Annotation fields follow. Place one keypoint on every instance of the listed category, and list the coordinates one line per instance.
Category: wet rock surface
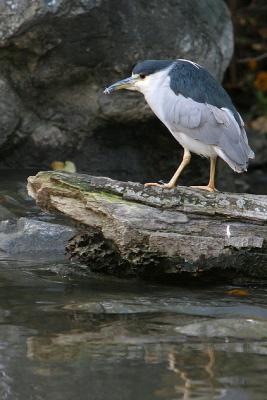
(57, 56)
(26, 232)
(29, 237)
(238, 328)
(5, 214)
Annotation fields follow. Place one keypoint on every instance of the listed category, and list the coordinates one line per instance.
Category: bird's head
(143, 74)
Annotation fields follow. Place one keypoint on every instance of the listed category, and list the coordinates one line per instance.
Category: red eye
(142, 76)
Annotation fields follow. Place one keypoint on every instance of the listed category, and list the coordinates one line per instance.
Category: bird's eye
(142, 76)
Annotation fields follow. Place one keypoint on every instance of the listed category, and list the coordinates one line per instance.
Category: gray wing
(210, 125)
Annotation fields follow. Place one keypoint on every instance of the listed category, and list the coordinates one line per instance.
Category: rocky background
(56, 56)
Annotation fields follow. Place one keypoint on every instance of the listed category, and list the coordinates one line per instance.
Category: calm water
(100, 338)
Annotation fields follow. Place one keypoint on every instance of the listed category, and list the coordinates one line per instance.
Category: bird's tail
(244, 150)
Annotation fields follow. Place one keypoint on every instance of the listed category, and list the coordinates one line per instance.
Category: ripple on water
(64, 336)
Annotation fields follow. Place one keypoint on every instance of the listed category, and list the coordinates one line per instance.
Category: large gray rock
(10, 111)
(58, 55)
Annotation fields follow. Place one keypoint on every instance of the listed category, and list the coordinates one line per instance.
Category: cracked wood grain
(132, 230)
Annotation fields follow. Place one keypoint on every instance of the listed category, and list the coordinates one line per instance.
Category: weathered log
(133, 230)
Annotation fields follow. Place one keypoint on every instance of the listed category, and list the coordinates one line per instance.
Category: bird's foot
(207, 188)
(162, 185)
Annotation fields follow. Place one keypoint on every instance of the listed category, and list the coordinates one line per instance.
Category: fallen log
(127, 229)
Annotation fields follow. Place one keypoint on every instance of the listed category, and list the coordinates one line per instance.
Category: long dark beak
(124, 84)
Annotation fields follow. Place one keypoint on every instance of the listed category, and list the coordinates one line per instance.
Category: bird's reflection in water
(186, 386)
(184, 382)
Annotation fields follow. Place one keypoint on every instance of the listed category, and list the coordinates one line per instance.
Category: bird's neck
(154, 87)
(155, 93)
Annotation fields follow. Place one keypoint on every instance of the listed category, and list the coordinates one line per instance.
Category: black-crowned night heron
(196, 110)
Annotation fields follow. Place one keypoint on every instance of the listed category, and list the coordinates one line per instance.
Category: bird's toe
(162, 185)
(151, 184)
(207, 188)
(168, 186)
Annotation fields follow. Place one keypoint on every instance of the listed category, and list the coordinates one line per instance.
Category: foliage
(246, 79)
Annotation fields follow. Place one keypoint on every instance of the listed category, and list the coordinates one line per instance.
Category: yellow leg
(171, 184)
(211, 185)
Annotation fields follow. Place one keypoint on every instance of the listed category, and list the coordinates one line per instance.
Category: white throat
(153, 88)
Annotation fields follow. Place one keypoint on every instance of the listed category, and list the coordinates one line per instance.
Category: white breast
(195, 146)
(158, 95)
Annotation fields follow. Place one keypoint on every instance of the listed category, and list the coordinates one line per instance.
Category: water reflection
(67, 335)
(103, 338)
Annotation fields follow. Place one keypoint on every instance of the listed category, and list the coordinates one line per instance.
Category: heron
(196, 109)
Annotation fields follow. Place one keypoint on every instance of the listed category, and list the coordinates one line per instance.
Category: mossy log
(127, 229)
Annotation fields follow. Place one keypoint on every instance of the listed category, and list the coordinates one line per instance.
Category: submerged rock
(30, 237)
(227, 327)
(5, 213)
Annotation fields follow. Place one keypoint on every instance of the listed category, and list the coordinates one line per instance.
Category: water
(101, 338)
